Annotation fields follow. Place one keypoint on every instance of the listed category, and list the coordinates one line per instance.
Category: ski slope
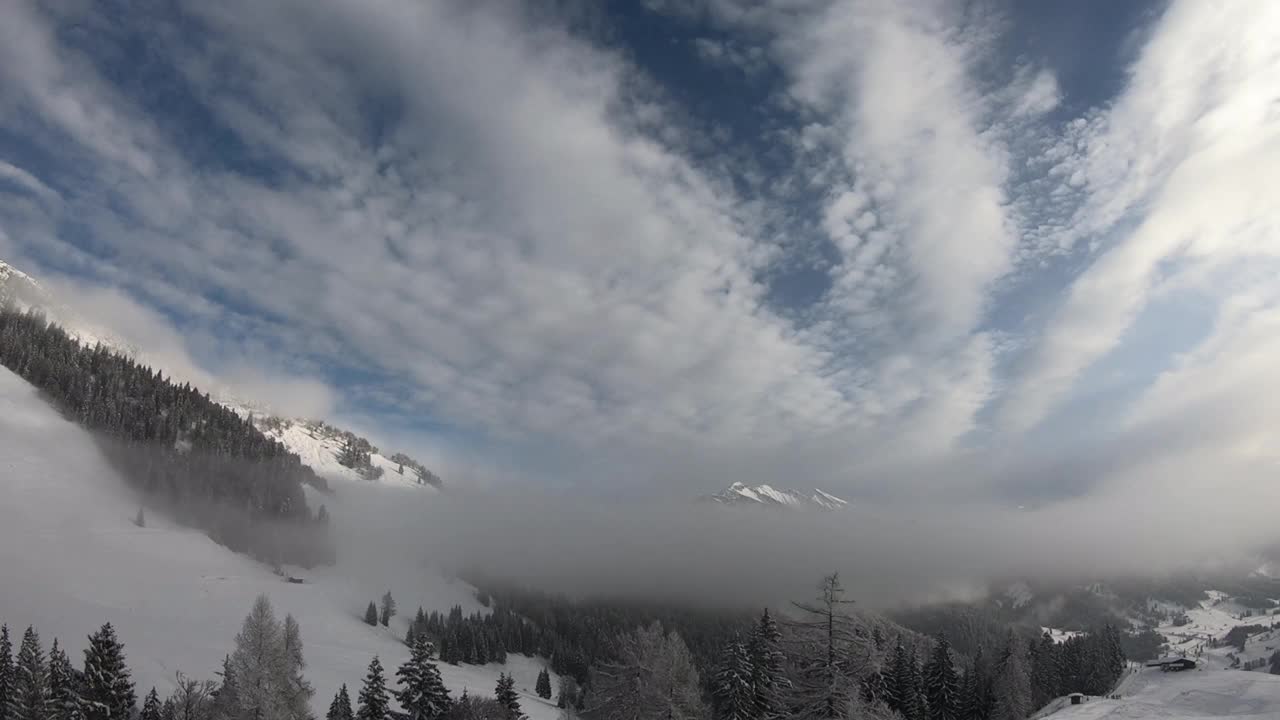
(1191, 695)
(1211, 621)
(71, 558)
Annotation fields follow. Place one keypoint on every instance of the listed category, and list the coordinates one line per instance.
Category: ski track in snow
(71, 559)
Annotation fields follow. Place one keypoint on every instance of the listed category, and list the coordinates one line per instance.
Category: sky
(903, 250)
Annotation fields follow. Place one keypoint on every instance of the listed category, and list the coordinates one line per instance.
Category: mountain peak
(768, 496)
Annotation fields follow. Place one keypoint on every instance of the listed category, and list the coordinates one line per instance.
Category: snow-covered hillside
(1191, 695)
(768, 496)
(1210, 622)
(25, 292)
(71, 558)
(319, 446)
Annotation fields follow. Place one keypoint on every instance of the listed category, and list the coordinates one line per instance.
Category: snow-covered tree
(107, 690)
(297, 691)
(1013, 682)
(825, 686)
(654, 678)
(371, 614)
(152, 707)
(731, 686)
(64, 686)
(543, 685)
(267, 666)
(388, 608)
(374, 704)
(768, 674)
(422, 693)
(941, 686)
(226, 701)
(508, 699)
(29, 690)
(6, 666)
(340, 708)
(904, 686)
(193, 699)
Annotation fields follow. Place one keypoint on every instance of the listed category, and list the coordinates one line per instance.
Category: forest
(187, 455)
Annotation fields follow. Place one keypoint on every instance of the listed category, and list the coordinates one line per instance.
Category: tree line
(206, 465)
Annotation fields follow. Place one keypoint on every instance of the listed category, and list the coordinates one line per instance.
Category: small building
(1076, 698)
(1179, 665)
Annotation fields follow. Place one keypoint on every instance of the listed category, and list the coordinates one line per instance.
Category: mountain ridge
(764, 495)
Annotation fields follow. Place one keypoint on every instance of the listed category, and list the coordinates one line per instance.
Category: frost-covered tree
(152, 707)
(1013, 682)
(64, 686)
(543, 685)
(371, 614)
(388, 608)
(267, 666)
(422, 693)
(731, 686)
(192, 699)
(941, 685)
(340, 708)
(768, 672)
(375, 704)
(29, 691)
(904, 687)
(508, 699)
(653, 678)
(6, 667)
(297, 691)
(107, 690)
(825, 685)
(567, 692)
(226, 701)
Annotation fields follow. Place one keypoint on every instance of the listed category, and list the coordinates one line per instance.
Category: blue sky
(897, 249)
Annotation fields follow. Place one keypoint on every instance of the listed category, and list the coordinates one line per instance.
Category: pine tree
(64, 691)
(1046, 678)
(29, 692)
(1013, 682)
(768, 675)
(6, 669)
(374, 702)
(941, 685)
(731, 686)
(543, 686)
(151, 707)
(505, 694)
(340, 708)
(108, 688)
(825, 687)
(169, 710)
(371, 615)
(422, 693)
(388, 608)
(904, 685)
(226, 702)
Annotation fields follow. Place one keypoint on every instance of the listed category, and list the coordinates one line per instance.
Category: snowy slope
(1227, 694)
(25, 292)
(769, 496)
(71, 559)
(1210, 622)
(319, 450)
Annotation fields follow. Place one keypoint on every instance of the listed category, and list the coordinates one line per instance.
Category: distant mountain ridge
(741, 494)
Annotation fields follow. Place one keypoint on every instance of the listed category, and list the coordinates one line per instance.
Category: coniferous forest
(199, 461)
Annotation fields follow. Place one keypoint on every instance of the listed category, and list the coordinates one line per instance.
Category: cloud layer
(517, 236)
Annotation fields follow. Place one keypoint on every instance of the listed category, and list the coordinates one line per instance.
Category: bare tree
(830, 653)
(192, 699)
(653, 679)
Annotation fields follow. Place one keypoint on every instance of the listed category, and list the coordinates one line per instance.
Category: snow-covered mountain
(72, 558)
(768, 496)
(317, 443)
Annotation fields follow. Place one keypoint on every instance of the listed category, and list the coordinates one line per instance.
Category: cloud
(484, 221)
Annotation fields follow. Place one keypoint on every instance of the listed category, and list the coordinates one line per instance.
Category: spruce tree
(904, 685)
(169, 710)
(422, 693)
(226, 702)
(1013, 682)
(371, 615)
(731, 685)
(151, 707)
(874, 688)
(108, 688)
(374, 701)
(1045, 675)
(6, 668)
(340, 708)
(64, 682)
(543, 686)
(768, 675)
(941, 685)
(388, 608)
(29, 691)
(824, 684)
(505, 694)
